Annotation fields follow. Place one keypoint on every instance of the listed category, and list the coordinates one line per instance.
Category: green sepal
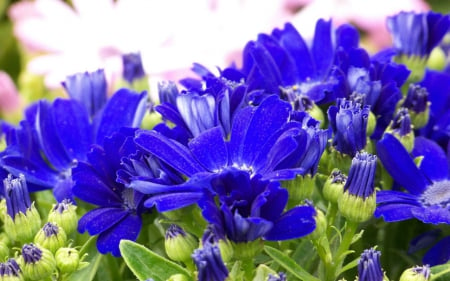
(146, 264)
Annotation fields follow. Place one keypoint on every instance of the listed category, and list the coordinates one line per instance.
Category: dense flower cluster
(240, 156)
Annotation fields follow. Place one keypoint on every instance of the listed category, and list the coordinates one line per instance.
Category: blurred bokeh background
(43, 41)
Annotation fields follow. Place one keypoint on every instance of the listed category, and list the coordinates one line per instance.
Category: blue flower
(54, 136)
(416, 34)
(369, 267)
(132, 67)
(282, 63)
(245, 209)
(209, 263)
(119, 211)
(261, 141)
(16, 195)
(349, 123)
(428, 193)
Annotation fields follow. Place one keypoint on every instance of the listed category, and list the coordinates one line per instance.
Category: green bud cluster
(37, 263)
(64, 214)
(51, 236)
(24, 225)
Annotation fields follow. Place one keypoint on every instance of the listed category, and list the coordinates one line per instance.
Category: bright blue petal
(439, 253)
(400, 165)
(297, 222)
(101, 219)
(173, 201)
(127, 229)
(322, 48)
(434, 164)
(210, 149)
(434, 214)
(171, 152)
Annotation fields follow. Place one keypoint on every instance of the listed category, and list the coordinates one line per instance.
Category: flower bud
(358, 201)
(334, 186)
(10, 271)
(402, 128)
(67, 259)
(416, 101)
(37, 263)
(22, 220)
(369, 267)
(64, 214)
(321, 225)
(179, 244)
(417, 273)
(51, 237)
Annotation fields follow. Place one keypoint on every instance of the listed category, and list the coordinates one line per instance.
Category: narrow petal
(127, 229)
(210, 149)
(322, 48)
(295, 223)
(393, 212)
(101, 219)
(434, 164)
(400, 165)
(171, 152)
(173, 201)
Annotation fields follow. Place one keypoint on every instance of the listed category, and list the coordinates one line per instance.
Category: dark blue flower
(401, 123)
(16, 195)
(209, 263)
(416, 34)
(349, 123)
(428, 186)
(261, 141)
(369, 267)
(282, 63)
(132, 67)
(246, 208)
(416, 98)
(118, 215)
(54, 136)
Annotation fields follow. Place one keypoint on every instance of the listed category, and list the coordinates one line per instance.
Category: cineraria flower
(416, 34)
(246, 208)
(428, 193)
(207, 103)
(261, 141)
(283, 61)
(54, 136)
(119, 211)
(209, 263)
(369, 267)
(349, 123)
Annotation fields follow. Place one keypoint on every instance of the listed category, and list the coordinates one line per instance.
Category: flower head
(209, 263)
(349, 123)
(118, 215)
(369, 267)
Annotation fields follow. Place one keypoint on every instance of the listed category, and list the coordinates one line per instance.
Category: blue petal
(171, 152)
(396, 211)
(124, 109)
(173, 201)
(50, 142)
(91, 188)
(255, 128)
(127, 229)
(439, 253)
(210, 149)
(400, 165)
(276, 201)
(434, 164)
(294, 44)
(73, 128)
(322, 48)
(101, 219)
(434, 214)
(297, 222)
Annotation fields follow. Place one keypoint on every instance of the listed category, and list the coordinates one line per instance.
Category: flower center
(437, 194)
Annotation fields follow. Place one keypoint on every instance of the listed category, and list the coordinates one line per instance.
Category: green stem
(334, 267)
(331, 216)
(248, 266)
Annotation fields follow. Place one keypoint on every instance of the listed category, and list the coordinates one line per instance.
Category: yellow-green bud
(300, 188)
(24, 226)
(67, 259)
(37, 263)
(371, 123)
(355, 208)
(179, 244)
(334, 186)
(226, 249)
(247, 250)
(317, 114)
(420, 119)
(418, 273)
(10, 271)
(2, 209)
(51, 236)
(321, 225)
(64, 214)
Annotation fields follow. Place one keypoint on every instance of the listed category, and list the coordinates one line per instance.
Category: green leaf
(289, 264)
(349, 266)
(146, 264)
